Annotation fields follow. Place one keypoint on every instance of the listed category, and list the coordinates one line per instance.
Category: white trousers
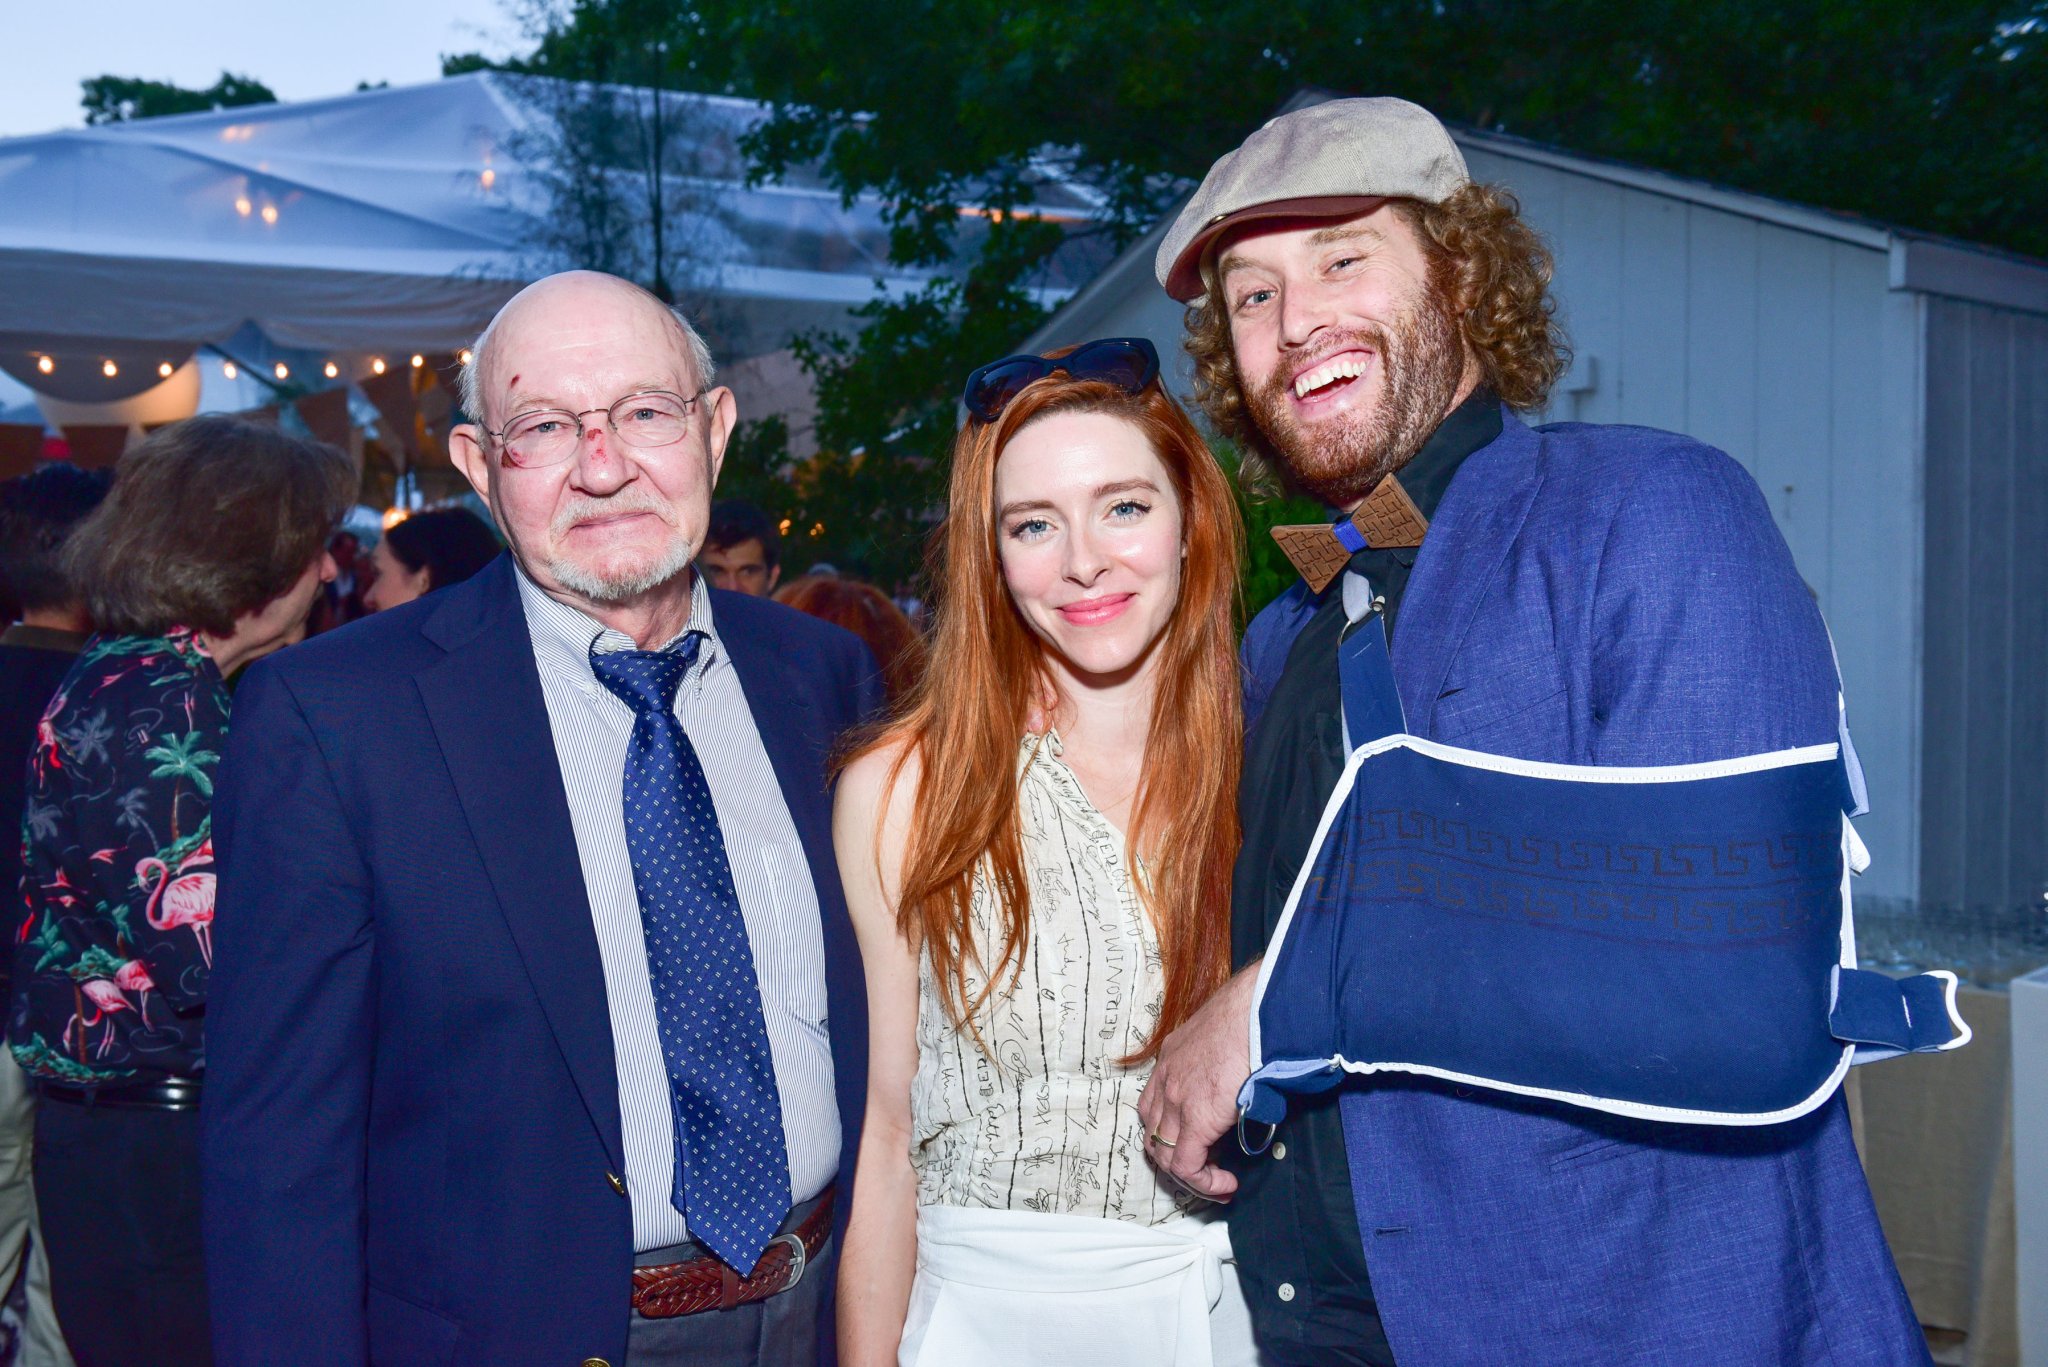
(1026, 1290)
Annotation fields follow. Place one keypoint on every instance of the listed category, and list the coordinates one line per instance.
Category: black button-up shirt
(33, 662)
(110, 966)
(1293, 1224)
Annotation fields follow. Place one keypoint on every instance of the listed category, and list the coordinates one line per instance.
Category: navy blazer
(1620, 596)
(411, 1116)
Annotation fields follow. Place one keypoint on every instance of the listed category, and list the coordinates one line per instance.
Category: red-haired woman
(1034, 854)
(867, 612)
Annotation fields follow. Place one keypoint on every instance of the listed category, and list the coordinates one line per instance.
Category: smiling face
(1088, 528)
(612, 524)
(1349, 355)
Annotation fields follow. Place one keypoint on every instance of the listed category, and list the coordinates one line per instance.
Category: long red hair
(987, 671)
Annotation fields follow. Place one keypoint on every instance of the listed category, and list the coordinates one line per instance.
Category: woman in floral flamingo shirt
(208, 553)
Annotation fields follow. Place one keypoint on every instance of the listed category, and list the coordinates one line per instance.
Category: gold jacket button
(597, 1362)
(619, 1186)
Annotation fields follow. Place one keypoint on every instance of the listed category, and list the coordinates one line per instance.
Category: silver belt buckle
(798, 1259)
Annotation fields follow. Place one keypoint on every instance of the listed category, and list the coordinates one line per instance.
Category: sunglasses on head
(1129, 363)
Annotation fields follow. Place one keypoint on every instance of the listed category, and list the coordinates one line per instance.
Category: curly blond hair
(1481, 254)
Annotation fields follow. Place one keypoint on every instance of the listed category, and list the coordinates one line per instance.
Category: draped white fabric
(1034, 1290)
(351, 223)
(384, 219)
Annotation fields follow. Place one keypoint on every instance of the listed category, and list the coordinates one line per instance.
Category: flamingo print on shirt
(111, 961)
(189, 900)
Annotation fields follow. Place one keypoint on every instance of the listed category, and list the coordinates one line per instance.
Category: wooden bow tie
(1320, 550)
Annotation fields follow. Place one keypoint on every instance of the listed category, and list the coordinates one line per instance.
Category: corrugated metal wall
(1788, 350)
(1984, 843)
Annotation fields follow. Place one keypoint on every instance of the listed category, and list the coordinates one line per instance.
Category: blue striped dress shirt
(592, 729)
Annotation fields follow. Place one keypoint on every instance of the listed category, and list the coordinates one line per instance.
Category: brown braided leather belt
(704, 1283)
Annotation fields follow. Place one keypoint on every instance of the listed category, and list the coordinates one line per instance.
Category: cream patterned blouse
(1046, 1120)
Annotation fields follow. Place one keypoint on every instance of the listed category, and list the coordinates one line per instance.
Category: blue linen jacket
(411, 1114)
(1607, 595)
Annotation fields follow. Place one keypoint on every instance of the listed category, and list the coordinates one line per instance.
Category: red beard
(1421, 361)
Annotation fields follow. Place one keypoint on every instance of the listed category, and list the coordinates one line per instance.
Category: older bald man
(537, 1030)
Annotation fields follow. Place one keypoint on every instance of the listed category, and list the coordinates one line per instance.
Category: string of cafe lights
(46, 364)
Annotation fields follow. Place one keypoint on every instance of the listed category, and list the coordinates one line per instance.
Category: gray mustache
(585, 508)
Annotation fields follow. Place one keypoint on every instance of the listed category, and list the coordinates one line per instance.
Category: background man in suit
(1584, 595)
(537, 1027)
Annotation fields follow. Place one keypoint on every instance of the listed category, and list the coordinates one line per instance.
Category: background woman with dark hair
(428, 551)
(867, 612)
(208, 553)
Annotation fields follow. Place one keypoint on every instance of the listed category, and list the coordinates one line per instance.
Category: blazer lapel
(790, 730)
(1461, 558)
(484, 701)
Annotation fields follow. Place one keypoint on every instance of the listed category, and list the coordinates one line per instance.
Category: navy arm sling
(1671, 943)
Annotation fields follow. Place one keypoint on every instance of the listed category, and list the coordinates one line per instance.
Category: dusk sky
(299, 50)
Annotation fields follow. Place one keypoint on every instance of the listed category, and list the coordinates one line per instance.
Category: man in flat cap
(1581, 595)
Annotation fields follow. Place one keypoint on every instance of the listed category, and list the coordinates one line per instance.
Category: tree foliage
(619, 170)
(116, 99)
(1925, 113)
(617, 159)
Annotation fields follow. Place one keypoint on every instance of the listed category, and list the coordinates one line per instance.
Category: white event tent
(354, 223)
(386, 222)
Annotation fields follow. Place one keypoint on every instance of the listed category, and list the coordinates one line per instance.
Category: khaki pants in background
(42, 1342)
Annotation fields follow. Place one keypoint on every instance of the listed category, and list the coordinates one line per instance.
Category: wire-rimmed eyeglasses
(549, 436)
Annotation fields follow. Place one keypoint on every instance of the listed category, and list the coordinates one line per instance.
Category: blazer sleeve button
(619, 1186)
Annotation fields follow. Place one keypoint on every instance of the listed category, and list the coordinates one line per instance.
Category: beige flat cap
(1330, 160)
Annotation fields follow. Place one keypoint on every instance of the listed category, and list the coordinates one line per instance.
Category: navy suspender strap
(1372, 704)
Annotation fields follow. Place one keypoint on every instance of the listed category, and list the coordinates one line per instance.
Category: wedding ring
(1162, 1141)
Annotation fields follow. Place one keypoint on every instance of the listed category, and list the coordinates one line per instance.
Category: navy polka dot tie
(732, 1171)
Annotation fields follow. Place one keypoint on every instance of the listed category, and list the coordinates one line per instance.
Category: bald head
(608, 523)
(579, 298)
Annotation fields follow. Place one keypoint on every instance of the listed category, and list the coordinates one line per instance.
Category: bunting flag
(392, 395)
(326, 415)
(436, 406)
(97, 446)
(21, 448)
(446, 367)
